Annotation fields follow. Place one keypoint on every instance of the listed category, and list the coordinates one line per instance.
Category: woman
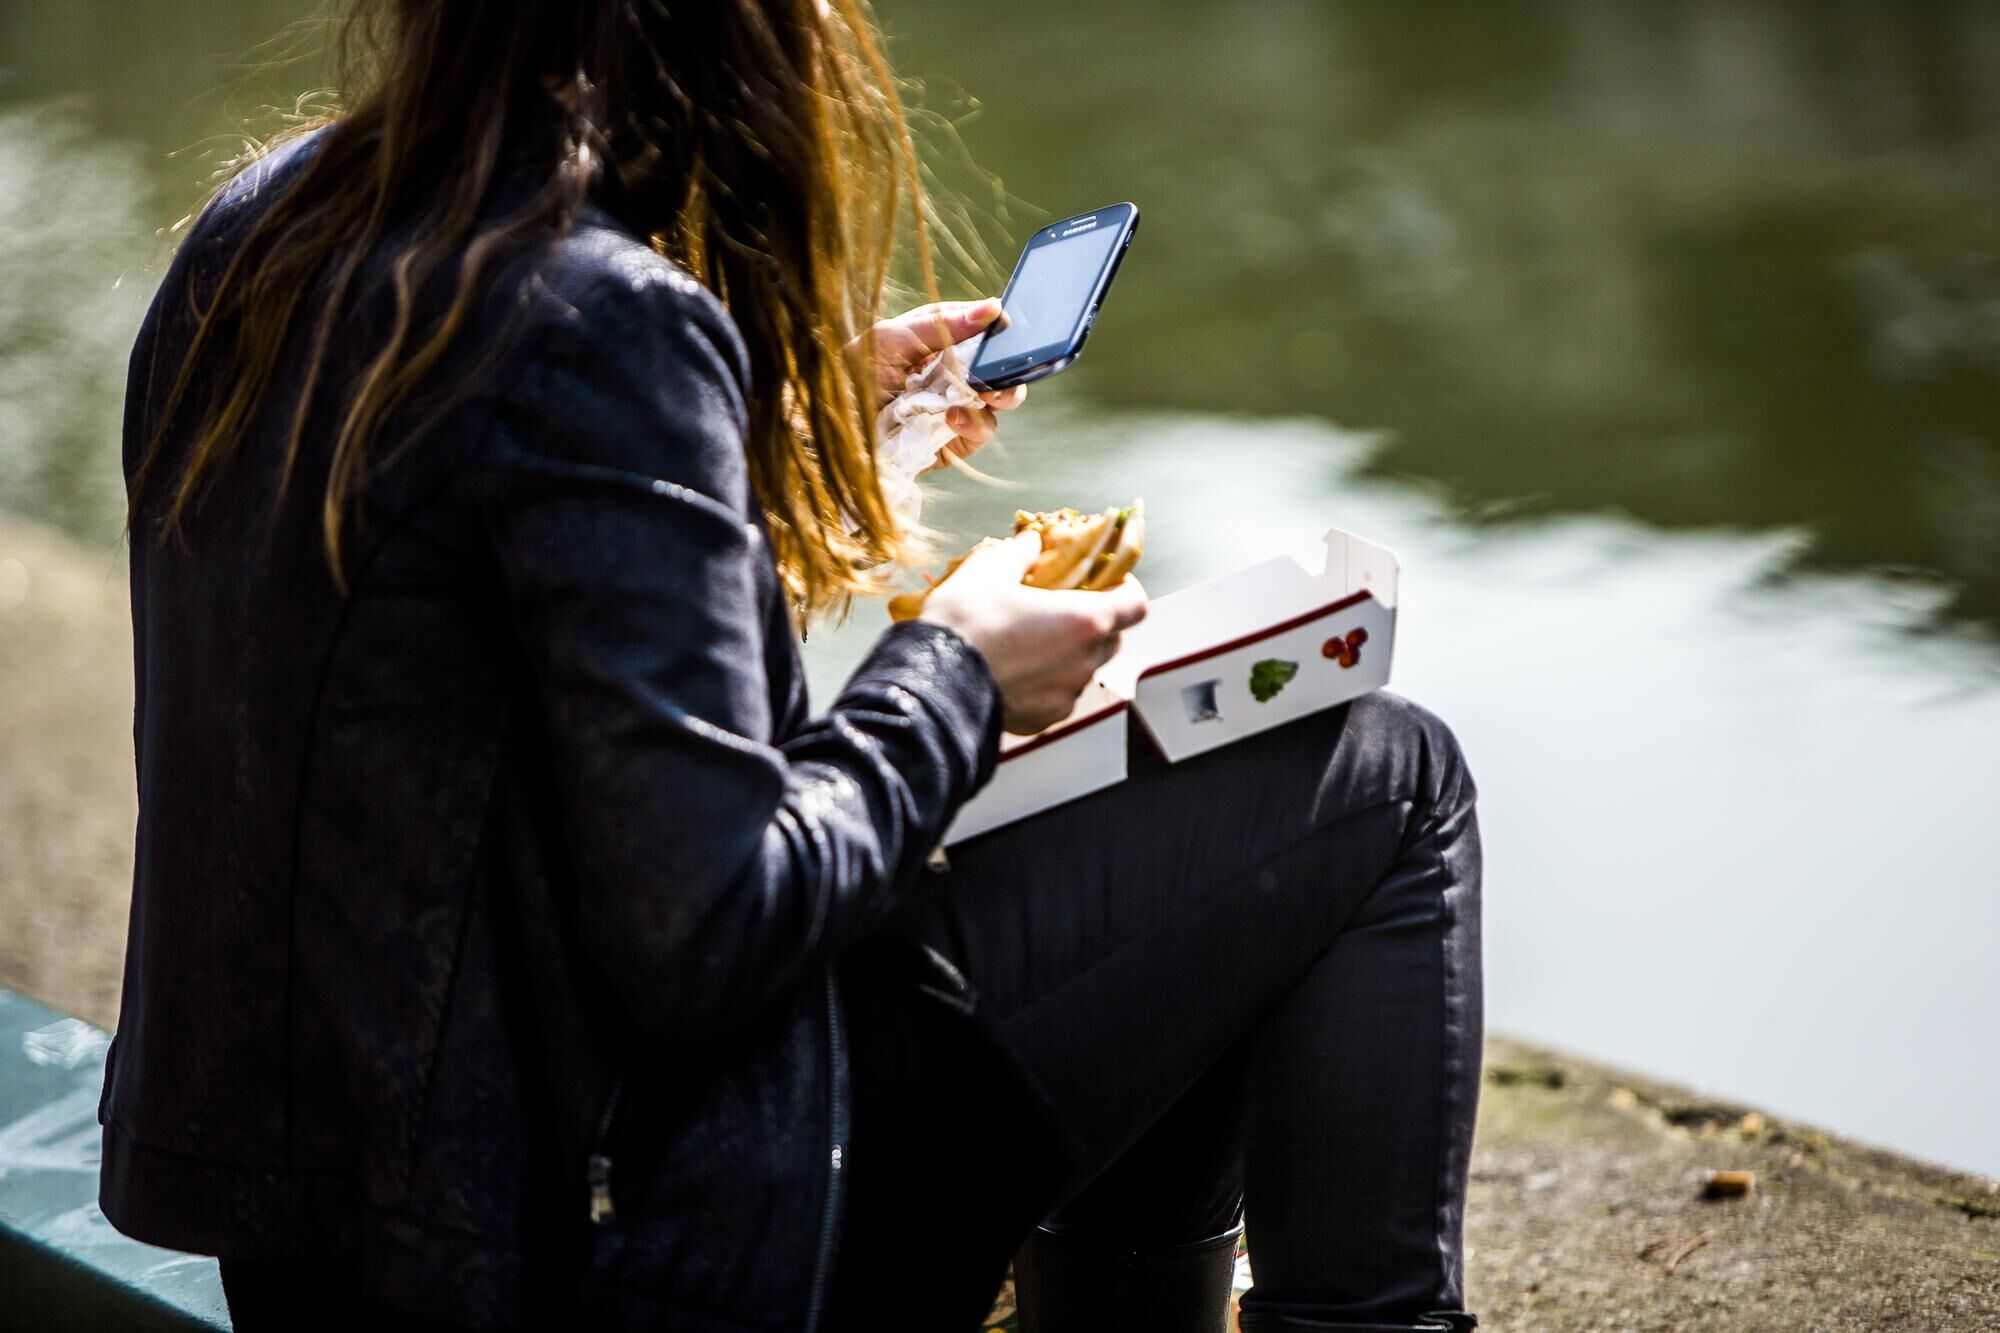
(510, 945)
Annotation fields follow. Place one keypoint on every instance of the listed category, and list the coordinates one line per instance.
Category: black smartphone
(1052, 299)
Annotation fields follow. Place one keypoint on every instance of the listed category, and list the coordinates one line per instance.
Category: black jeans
(1247, 983)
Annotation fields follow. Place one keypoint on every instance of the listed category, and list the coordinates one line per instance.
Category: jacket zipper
(602, 1210)
(837, 1123)
(602, 1213)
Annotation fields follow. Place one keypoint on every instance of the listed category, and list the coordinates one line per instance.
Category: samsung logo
(1084, 225)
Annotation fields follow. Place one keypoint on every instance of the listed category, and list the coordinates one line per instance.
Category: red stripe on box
(1306, 619)
(1059, 732)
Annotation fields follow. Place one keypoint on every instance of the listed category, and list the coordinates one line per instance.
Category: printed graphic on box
(1212, 664)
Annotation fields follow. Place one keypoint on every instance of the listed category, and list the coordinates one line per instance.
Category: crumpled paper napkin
(912, 431)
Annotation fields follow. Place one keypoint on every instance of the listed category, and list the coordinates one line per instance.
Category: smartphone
(1052, 299)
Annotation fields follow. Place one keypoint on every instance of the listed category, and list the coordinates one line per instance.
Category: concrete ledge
(1587, 1210)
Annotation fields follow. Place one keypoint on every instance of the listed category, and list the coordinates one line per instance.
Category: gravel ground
(67, 803)
(1586, 1211)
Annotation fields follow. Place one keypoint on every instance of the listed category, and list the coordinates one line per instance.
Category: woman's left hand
(909, 340)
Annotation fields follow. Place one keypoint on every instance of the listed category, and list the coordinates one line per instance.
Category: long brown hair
(761, 143)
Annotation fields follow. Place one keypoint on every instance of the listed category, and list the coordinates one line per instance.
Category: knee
(1416, 754)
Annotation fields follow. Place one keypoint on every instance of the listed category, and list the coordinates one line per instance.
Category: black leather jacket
(519, 862)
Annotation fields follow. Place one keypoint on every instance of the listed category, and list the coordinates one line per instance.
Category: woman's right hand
(1042, 646)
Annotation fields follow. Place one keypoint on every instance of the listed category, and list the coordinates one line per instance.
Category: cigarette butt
(1728, 1184)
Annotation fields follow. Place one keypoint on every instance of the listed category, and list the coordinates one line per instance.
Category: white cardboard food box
(1310, 640)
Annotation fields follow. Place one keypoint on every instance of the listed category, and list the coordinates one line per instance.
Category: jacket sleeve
(715, 866)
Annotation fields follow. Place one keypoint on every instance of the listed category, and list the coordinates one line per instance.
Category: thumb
(1007, 560)
(971, 317)
(932, 328)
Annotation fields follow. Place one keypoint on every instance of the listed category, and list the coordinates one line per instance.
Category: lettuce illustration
(1269, 676)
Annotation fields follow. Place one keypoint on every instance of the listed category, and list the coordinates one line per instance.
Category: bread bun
(1086, 552)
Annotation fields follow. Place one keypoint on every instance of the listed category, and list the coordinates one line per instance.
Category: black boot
(1437, 1321)
(1064, 1284)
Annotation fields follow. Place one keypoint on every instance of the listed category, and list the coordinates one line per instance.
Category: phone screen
(1050, 294)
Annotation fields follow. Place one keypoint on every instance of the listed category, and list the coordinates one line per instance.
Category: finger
(974, 426)
(954, 449)
(1031, 724)
(1018, 723)
(1101, 614)
(943, 460)
(917, 333)
(1024, 546)
(1006, 400)
(1006, 560)
(1127, 604)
